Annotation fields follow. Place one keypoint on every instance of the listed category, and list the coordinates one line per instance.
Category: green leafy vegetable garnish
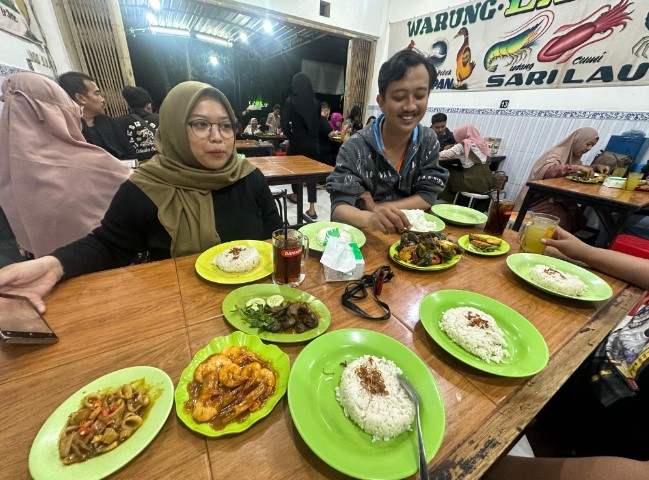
(256, 317)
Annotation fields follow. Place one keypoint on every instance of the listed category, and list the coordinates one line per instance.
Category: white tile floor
(322, 207)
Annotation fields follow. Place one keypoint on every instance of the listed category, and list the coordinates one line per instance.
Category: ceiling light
(214, 60)
(212, 39)
(243, 37)
(155, 4)
(268, 28)
(170, 31)
(151, 18)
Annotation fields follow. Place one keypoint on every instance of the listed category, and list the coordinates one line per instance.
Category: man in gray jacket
(392, 164)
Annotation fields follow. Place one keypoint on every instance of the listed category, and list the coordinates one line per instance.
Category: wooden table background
(252, 148)
(293, 169)
(613, 206)
(161, 314)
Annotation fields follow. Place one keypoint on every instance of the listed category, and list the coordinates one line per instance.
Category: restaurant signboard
(17, 18)
(526, 44)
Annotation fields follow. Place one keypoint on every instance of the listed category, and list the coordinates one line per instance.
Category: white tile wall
(527, 134)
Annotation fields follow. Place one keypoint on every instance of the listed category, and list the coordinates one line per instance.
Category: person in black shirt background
(97, 128)
(141, 123)
(301, 124)
(444, 135)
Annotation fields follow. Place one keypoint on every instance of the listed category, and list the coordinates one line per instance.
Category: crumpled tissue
(342, 261)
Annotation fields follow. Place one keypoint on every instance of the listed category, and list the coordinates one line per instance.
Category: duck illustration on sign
(465, 66)
(583, 32)
(518, 47)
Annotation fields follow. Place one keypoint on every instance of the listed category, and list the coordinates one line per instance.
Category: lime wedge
(256, 303)
(274, 300)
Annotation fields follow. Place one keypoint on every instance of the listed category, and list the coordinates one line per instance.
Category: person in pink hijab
(336, 121)
(473, 175)
(54, 186)
(561, 160)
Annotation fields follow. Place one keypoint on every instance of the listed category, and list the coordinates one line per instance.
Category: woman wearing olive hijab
(192, 195)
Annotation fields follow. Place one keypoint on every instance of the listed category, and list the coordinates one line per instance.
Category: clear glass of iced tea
(290, 253)
(499, 213)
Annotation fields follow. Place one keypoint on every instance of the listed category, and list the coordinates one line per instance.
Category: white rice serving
(237, 259)
(322, 235)
(418, 222)
(476, 332)
(558, 281)
(373, 398)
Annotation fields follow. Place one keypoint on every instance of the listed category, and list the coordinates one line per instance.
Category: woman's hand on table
(589, 170)
(585, 170)
(33, 279)
(567, 244)
(625, 267)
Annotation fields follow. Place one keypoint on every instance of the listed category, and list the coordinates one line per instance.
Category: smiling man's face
(405, 101)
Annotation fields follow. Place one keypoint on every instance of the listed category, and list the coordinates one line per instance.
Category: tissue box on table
(614, 182)
(342, 261)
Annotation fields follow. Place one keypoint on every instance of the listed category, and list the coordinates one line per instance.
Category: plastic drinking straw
(285, 238)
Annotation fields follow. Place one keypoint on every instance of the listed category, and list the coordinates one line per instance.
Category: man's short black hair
(136, 97)
(277, 107)
(72, 83)
(397, 66)
(438, 117)
(324, 105)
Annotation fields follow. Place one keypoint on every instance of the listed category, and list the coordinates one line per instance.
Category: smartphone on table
(20, 322)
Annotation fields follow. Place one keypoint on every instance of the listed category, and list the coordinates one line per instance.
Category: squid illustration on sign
(438, 52)
(518, 47)
(465, 66)
(585, 31)
(642, 46)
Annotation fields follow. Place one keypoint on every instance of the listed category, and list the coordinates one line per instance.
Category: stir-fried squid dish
(229, 386)
(104, 421)
(426, 249)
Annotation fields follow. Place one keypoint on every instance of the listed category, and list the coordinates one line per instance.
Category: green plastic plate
(527, 348)
(335, 438)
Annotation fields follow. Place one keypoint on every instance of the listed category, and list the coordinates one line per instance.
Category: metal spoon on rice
(423, 464)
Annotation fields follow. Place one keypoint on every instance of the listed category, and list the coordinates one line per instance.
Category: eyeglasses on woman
(203, 128)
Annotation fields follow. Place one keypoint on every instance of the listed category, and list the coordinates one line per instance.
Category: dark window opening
(325, 8)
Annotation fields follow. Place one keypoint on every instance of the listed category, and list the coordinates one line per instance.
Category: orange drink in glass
(540, 225)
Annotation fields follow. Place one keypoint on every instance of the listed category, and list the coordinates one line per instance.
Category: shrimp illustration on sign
(579, 37)
(518, 47)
